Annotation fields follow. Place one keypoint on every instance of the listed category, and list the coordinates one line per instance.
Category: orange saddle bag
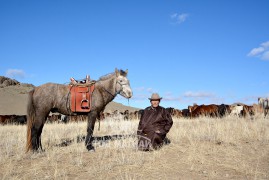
(80, 98)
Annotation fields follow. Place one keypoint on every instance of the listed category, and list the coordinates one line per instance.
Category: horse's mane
(105, 77)
(109, 75)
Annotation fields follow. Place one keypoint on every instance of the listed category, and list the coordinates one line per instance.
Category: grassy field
(203, 148)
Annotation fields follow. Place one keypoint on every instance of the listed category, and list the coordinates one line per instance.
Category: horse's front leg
(91, 121)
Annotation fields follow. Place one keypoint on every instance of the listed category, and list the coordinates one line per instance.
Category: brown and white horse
(264, 103)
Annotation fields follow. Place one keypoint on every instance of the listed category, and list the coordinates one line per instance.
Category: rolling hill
(14, 94)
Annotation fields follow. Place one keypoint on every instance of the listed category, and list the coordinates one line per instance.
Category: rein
(107, 91)
(113, 95)
(110, 92)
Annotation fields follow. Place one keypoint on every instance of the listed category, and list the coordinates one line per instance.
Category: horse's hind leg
(91, 121)
(36, 135)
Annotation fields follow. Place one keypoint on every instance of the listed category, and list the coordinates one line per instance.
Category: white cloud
(150, 90)
(256, 51)
(265, 44)
(261, 52)
(144, 89)
(142, 93)
(168, 96)
(179, 18)
(171, 98)
(182, 17)
(265, 55)
(197, 94)
(173, 15)
(199, 98)
(140, 97)
(15, 73)
(139, 89)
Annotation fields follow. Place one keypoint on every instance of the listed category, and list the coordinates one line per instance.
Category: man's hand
(158, 131)
(139, 132)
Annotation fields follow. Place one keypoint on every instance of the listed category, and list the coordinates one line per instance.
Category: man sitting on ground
(154, 124)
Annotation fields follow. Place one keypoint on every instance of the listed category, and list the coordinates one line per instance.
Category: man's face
(155, 103)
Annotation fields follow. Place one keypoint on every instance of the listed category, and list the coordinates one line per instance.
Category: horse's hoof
(91, 148)
(38, 151)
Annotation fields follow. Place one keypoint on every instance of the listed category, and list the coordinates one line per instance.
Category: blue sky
(188, 51)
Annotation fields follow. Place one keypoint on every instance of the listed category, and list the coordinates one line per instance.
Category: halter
(116, 92)
(121, 84)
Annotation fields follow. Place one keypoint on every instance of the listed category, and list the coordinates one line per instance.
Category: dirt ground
(199, 149)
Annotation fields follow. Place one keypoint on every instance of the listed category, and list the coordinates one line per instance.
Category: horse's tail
(30, 120)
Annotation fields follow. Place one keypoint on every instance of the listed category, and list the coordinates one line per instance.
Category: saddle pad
(80, 98)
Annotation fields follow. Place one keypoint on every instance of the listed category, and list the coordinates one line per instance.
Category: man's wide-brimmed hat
(155, 96)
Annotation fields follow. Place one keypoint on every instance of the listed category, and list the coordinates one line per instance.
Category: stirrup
(84, 101)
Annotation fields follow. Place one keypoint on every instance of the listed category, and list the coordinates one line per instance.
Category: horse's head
(260, 101)
(122, 84)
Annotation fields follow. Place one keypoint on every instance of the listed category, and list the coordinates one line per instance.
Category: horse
(248, 110)
(223, 110)
(205, 110)
(56, 97)
(174, 112)
(264, 103)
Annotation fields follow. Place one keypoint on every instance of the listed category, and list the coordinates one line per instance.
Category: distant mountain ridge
(14, 95)
(5, 81)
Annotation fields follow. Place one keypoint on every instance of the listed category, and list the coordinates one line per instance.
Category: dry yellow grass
(204, 148)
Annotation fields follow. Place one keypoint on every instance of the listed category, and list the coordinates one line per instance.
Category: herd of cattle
(194, 111)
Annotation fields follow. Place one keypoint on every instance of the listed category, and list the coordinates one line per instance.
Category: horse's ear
(117, 72)
(126, 72)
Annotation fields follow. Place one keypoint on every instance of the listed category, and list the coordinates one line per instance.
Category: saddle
(80, 94)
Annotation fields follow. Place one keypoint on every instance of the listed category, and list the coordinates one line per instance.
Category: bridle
(121, 85)
(117, 92)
